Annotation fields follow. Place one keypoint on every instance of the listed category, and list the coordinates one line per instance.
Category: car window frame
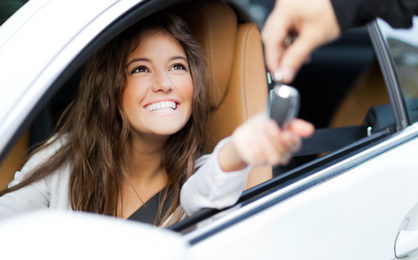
(390, 76)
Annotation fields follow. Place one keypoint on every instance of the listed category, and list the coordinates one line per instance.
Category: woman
(135, 131)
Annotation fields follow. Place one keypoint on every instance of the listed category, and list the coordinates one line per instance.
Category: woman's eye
(178, 66)
(140, 69)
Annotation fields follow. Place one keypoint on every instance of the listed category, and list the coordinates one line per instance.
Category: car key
(283, 103)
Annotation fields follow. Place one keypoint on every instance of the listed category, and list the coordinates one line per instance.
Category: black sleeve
(352, 13)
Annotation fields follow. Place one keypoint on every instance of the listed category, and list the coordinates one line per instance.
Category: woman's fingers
(300, 127)
(260, 141)
(272, 147)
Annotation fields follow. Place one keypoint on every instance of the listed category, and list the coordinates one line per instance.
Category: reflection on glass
(403, 45)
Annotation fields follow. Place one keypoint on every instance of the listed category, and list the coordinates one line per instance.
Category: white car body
(363, 207)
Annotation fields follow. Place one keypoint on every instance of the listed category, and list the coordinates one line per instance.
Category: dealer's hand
(313, 22)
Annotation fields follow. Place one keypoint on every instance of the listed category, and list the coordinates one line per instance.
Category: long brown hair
(96, 131)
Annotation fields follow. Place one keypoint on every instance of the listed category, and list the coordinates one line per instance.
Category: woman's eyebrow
(179, 57)
(135, 60)
(148, 60)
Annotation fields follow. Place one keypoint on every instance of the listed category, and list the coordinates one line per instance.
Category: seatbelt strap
(330, 139)
(148, 212)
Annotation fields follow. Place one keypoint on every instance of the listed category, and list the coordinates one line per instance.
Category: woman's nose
(162, 82)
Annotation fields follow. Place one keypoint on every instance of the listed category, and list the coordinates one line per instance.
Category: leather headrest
(214, 26)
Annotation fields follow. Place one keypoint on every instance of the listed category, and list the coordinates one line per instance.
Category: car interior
(341, 93)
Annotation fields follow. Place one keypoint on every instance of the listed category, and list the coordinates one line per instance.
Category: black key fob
(283, 104)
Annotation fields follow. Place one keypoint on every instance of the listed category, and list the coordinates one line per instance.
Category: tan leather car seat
(238, 87)
(14, 160)
(368, 91)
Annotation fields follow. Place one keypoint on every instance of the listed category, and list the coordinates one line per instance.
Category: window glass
(403, 45)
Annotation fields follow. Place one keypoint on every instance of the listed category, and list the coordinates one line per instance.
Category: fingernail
(278, 75)
(283, 75)
(287, 74)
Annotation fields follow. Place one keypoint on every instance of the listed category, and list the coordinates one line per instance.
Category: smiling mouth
(164, 106)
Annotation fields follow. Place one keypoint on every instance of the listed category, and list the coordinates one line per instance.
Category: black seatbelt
(148, 212)
(330, 139)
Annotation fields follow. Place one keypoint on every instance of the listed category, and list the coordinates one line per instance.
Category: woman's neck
(144, 158)
(146, 176)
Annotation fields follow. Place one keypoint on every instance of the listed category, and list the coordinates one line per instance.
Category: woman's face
(159, 89)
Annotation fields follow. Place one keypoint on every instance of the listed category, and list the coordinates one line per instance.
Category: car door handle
(406, 243)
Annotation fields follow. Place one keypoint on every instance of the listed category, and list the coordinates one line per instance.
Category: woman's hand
(260, 141)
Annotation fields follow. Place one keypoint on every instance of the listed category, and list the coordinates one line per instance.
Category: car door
(360, 202)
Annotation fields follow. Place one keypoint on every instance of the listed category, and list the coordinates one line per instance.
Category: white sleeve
(210, 186)
(33, 196)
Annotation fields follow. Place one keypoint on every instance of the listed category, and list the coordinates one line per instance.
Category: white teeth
(162, 106)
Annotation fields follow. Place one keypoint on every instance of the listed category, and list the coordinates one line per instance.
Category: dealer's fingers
(274, 35)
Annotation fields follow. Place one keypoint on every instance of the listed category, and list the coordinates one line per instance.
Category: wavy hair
(96, 130)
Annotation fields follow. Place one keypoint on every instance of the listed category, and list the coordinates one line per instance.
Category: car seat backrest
(14, 160)
(238, 86)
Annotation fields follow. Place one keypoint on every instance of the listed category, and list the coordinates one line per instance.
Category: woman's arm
(51, 191)
(210, 186)
(222, 175)
(28, 198)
